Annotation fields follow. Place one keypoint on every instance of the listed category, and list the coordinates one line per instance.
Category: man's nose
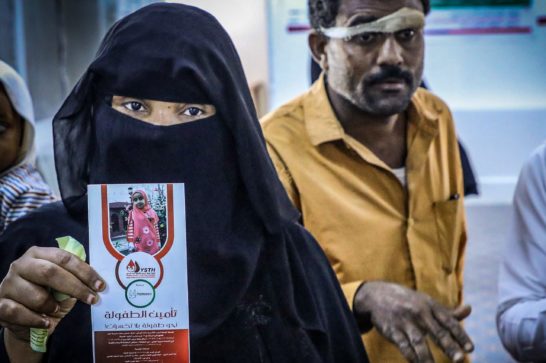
(390, 52)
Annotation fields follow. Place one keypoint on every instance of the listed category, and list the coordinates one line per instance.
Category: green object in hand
(38, 337)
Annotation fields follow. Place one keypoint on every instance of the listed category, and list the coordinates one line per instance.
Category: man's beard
(363, 96)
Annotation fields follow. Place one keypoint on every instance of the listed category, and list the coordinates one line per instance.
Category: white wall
(245, 21)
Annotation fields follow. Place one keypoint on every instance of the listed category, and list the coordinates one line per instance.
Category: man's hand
(26, 298)
(406, 317)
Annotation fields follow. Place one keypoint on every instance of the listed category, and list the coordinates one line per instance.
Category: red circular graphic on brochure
(139, 266)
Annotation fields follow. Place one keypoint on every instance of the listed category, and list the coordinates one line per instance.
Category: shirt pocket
(449, 228)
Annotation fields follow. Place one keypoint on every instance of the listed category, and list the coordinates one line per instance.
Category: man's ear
(317, 45)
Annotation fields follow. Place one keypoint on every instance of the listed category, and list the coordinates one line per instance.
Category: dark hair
(322, 13)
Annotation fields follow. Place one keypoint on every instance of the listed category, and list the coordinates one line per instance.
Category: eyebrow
(362, 19)
(182, 105)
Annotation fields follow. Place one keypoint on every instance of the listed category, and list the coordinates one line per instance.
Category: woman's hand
(26, 299)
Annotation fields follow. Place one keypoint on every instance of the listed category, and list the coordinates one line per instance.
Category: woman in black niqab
(260, 288)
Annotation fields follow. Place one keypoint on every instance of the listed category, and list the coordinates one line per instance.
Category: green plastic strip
(38, 337)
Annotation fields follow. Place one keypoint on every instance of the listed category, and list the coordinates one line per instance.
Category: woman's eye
(193, 111)
(135, 106)
(406, 34)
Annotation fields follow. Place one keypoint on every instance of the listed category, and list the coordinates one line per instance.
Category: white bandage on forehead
(404, 18)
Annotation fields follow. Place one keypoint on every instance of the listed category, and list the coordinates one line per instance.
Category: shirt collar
(323, 126)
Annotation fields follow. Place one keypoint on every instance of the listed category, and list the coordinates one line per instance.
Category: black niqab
(260, 288)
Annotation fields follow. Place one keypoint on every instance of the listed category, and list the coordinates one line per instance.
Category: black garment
(469, 179)
(255, 331)
(260, 288)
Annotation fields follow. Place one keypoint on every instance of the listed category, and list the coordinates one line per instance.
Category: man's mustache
(388, 73)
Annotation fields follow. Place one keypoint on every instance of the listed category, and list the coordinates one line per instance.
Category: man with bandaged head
(372, 163)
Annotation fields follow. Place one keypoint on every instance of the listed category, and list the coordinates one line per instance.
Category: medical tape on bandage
(404, 18)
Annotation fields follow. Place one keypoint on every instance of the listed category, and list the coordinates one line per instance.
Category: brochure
(137, 243)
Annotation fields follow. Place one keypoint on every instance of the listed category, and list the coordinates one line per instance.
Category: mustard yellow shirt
(369, 224)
